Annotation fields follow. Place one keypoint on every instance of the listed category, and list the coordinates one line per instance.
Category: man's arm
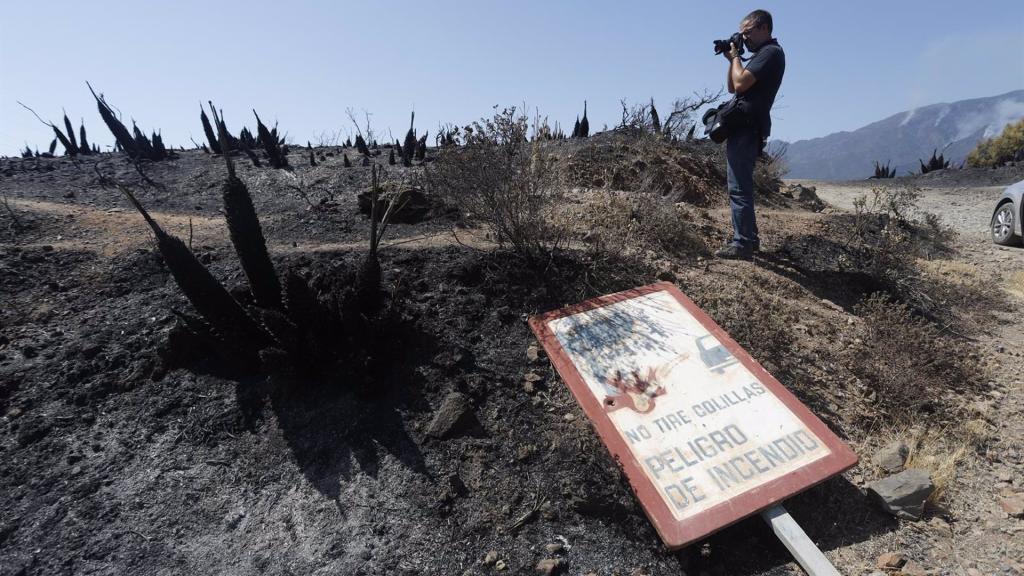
(729, 84)
(740, 80)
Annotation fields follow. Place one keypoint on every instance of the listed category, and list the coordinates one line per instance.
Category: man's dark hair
(760, 18)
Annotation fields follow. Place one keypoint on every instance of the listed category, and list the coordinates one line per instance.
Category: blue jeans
(741, 151)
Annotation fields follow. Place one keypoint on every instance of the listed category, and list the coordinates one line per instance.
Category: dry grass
(754, 314)
(953, 271)
(941, 453)
(691, 172)
(632, 224)
(1015, 283)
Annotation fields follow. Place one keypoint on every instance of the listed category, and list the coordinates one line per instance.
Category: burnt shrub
(883, 239)
(770, 169)
(759, 320)
(888, 245)
(500, 180)
(909, 362)
(690, 172)
(617, 225)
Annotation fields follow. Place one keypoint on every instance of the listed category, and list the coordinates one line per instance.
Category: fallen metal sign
(705, 435)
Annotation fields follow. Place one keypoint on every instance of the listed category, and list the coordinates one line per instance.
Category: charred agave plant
(291, 325)
(71, 147)
(271, 144)
(138, 147)
(361, 145)
(936, 162)
(211, 136)
(883, 171)
(227, 142)
(225, 323)
(421, 147)
(409, 146)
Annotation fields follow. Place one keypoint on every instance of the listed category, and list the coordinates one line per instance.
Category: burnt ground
(121, 452)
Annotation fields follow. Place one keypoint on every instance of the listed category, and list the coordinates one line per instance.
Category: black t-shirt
(767, 65)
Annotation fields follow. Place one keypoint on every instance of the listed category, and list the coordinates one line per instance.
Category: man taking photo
(758, 84)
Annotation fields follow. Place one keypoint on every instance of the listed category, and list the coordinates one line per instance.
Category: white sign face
(702, 427)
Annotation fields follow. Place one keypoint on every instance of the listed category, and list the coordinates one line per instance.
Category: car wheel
(1002, 225)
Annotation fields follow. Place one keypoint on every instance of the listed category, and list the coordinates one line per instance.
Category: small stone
(666, 275)
(891, 457)
(533, 377)
(569, 417)
(549, 566)
(500, 565)
(554, 548)
(533, 353)
(491, 558)
(903, 495)
(891, 561)
(941, 527)
(912, 568)
(1013, 505)
(525, 451)
(547, 512)
(452, 417)
(529, 387)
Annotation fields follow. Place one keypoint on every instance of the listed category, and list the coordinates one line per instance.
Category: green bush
(1006, 147)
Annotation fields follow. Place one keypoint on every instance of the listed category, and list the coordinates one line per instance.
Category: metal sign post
(705, 435)
(796, 541)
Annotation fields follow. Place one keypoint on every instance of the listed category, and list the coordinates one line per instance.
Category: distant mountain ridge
(902, 139)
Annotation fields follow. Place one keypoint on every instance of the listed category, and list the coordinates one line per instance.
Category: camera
(723, 45)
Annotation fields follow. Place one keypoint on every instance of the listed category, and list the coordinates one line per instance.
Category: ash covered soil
(122, 452)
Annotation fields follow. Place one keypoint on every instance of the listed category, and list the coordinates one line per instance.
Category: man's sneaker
(756, 245)
(733, 252)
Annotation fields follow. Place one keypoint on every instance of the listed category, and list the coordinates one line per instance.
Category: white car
(1006, 220)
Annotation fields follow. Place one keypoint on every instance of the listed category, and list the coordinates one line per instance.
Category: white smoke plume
(991, 122)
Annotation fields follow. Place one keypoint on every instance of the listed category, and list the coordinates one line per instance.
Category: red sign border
(677, 534)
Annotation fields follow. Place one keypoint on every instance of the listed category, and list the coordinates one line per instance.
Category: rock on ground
(453, 417)
(892, 457)
(903, 495)
(549, 566)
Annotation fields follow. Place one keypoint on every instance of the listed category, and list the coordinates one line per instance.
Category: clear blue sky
(304, 63)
